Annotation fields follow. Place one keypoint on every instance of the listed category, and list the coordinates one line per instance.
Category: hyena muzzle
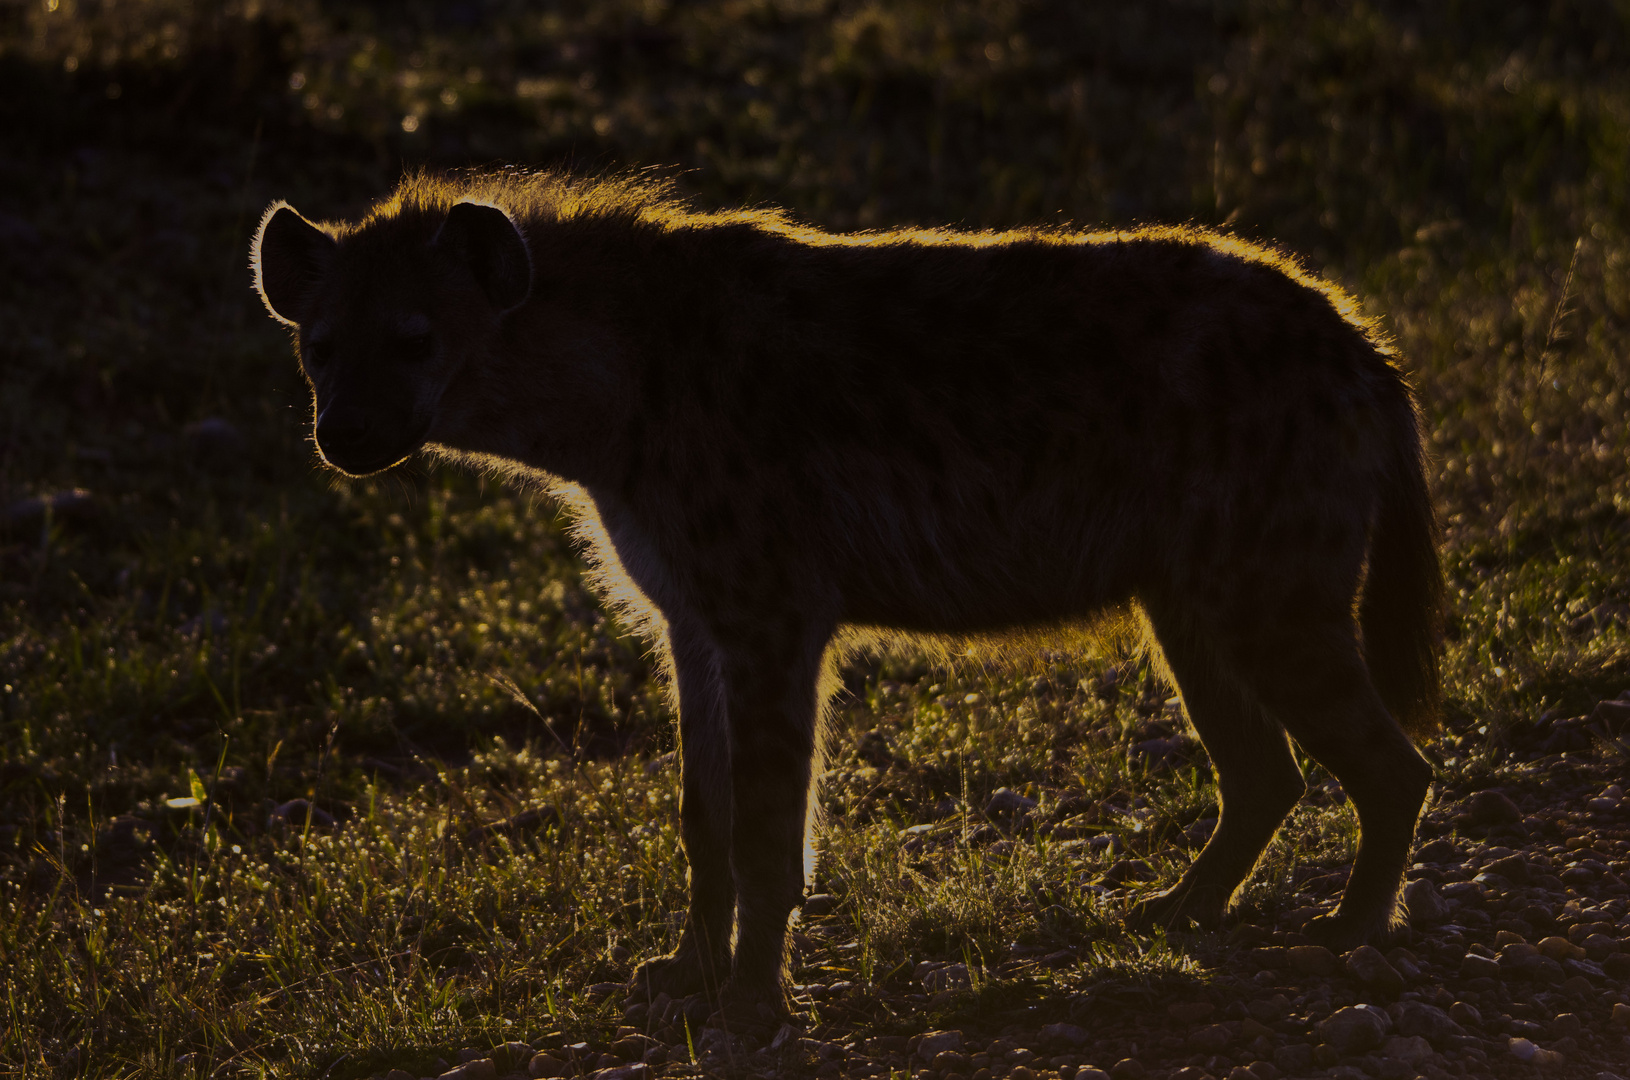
(775, 438)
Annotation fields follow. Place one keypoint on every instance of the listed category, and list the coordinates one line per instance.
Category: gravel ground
(1516, 964)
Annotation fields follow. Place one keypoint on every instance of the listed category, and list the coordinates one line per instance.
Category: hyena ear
(288, 254)
(487, 242)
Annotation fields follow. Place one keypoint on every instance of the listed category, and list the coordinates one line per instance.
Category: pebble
(1354, 1029)
(934, 1043)
(1410, 1048)
(215, 441)
(637, 1071)
(1621, 1014)
(1492, 808)
(1473, 966)
(1066, 1035)
(295, 812)
(478, 1069)
(76, 505)
(819, 905)
(547, 1067)
(1005, 802)
(1417, 1018)
(1366, 965)
(1560, 948)
(1128, 1069)
(1210, 1039)
(936, 977)
(1189, 1012)
(1425, 903)
(1312, 960)
(1524, 1050)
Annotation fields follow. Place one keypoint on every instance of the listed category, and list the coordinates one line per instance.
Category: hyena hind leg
(1321, 691)
(1257, 778)
(701, 963)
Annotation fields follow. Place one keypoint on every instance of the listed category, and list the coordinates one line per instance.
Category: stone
(819, 905)
(1523, 961)
(1251, 1028)
(1437, 851)
(512, 1056)
(1425, 903)
(949, 1061)
(934, 1043)
(1417, 1018)
(1190, 1012)
(1463, 1013)
(400, 1074)
(1268, 1009)
(1578, 986)
(1473, 966)
(1210, 1039)
(1065, 1035)
(1599, 946)
(632, 1047)
(1128, 1069)
(215, 441)
(1560, 948)
(945, 977)
(1492, 808)
(1005, 802)
(1354, 1029)
(637, 1071)
(77, 505)
(478, 1069)
(1514, 868)
(1294, 1058)
(1312, 960)
(1621, 1014)
(1411, 1048)
(1366, 965)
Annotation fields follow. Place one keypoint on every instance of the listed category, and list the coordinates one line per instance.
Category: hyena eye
(318, 353)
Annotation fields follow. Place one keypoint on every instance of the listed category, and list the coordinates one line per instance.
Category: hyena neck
(585, 379)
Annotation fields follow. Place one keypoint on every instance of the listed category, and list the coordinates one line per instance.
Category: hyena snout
(359, 439)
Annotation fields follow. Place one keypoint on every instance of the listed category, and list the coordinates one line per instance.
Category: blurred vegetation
(220, 627)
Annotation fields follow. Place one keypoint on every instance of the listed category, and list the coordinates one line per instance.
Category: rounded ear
(287, 255)
(492, 248)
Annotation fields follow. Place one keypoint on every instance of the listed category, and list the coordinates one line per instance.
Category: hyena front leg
(1257, 778)
(702, 960)
(773, 709)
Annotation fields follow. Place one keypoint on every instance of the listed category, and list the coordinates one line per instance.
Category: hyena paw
(1174, 909)
(1340, 932)
(679, 974)
(751, 1010)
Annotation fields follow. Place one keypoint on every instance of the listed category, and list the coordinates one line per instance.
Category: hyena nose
(339, 428)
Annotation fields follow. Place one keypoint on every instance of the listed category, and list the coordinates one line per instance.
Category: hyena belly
(978, 554)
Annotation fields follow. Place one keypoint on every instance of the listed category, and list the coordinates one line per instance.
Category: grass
(227, 628)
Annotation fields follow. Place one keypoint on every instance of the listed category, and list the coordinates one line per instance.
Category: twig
(1560, 310)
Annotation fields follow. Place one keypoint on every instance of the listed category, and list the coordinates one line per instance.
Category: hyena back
(772, 436)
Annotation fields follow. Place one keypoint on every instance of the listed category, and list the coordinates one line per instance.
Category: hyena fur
(773, 438)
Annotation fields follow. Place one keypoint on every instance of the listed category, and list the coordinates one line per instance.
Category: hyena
(773, 437)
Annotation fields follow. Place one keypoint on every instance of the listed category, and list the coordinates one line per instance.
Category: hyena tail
(1401, 613)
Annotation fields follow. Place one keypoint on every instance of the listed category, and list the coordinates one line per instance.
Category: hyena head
(386, 315)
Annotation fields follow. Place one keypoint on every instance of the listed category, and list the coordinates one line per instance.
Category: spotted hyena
(774, 438)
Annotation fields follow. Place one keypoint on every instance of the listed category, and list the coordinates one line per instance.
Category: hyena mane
(779, 444)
